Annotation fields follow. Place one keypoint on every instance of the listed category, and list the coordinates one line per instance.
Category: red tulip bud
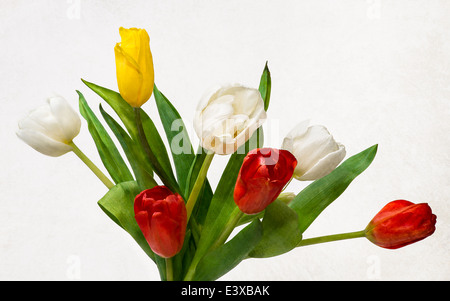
(161, 216)
(401, 223)
(262, 177)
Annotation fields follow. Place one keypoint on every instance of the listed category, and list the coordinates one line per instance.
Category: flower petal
(227, 117)
(43, 143)
(49, 125)
(325, 165)
(67, 118)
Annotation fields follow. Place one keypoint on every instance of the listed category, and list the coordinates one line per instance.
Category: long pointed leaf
(158, 148)
(177, 136)
(126, 114)
(118, 104)
(312, 200)
(223, 259)
(141, 170)
(108, 152)
(265, 86)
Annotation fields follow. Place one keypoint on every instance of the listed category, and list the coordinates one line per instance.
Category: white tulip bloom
(50, 129)
(227, 117)
(316, 151)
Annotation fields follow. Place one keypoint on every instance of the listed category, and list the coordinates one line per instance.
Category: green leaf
(142, 171)
(312, 200)
(126, 114)
(265, 86)
(223, 259)
(118, 204)
(107, 150)
(158, 148)
(177, 136)
(119, 105)
(281, 231)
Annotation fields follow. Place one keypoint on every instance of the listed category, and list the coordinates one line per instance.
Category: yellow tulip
(134, 66)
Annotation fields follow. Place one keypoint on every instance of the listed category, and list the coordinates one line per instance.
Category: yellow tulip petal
(134, 66)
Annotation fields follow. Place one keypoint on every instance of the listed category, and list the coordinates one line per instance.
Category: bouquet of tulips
(182, 223)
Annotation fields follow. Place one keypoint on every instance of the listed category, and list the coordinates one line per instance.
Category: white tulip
(50, 129)
(316, 151)
(227, 117)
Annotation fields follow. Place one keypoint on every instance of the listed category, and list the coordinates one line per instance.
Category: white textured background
(373, 71)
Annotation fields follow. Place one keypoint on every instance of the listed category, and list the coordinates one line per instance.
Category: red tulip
(161, 216)
(262, 177)
(401, 223)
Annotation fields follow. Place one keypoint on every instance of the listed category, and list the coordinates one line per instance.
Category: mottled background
(372, 71)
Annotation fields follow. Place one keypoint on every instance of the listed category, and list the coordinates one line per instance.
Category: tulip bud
(315, 149)
(263, 174)
(227, 117)
(50, 129)
(161, 216)
(401, 223)
(286, 197)
(134, 66)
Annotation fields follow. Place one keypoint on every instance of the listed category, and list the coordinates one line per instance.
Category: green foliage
(312, 200)
(206, 253)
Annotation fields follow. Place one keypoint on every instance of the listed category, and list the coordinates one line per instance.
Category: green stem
(170, 183)
(229, 227)
(328, 238)
(236, 215)
(91, 165)
(198, 184)
(169, 269)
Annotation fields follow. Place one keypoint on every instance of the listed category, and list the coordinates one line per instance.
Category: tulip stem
(92, 166)
(329, 238)
(169, 269)
(198, 184)
(229, 227)
(235, 216)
